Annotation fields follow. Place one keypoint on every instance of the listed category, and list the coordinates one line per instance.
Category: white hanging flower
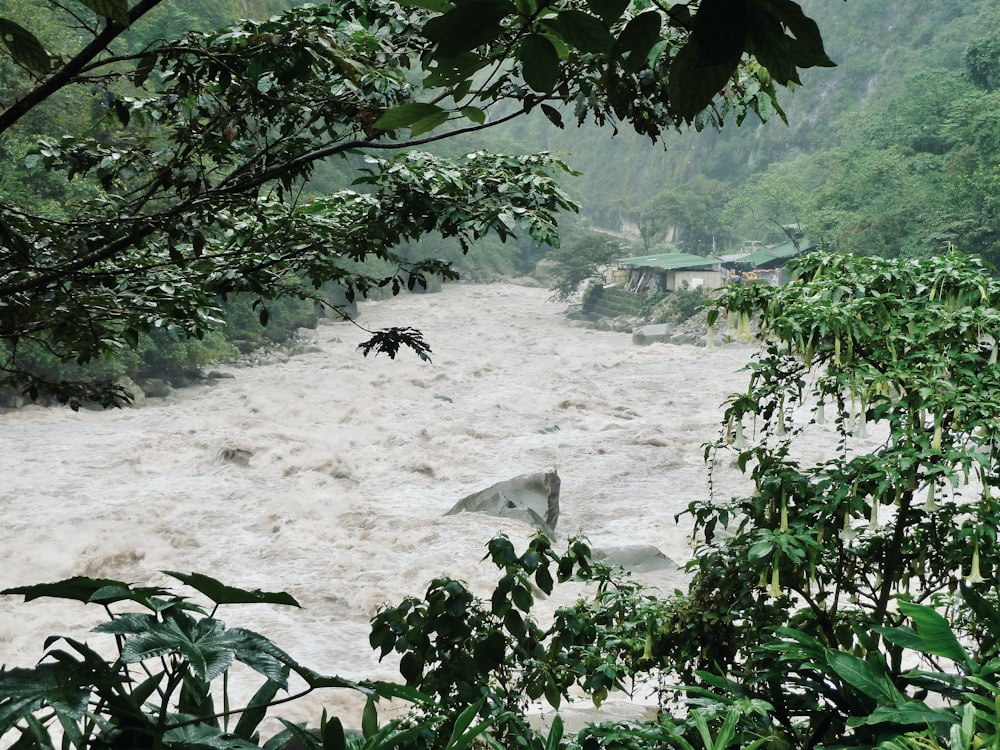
(821, 413)
(975, 576)
(931, 505)
(739, 441)
(775, 588)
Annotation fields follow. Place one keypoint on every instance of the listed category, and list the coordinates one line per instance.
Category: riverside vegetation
(849, 603)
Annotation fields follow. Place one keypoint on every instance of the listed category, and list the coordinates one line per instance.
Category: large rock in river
(533, 498)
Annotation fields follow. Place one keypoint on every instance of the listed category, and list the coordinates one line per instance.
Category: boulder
(155, 387)
(238, 456)
(533, 498)
(652, 334)
(138, 397)
(635, 558)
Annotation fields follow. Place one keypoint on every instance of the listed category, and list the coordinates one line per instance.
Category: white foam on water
(328, 475)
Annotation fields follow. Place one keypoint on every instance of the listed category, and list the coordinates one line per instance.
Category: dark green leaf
(411, 667)
(552, 115)
(24, 47)
(768, 43)
(407, 114)
(583, 31)
(608, 11)
(910, 712)
(809, 47)
(935, 633)
(553, 741)
(369, 719)
(467, 26)
(222, 594)
(521, 597)
(902, 636)
(114, 10)
(475, 114)
(863, 676)
(78, 588)
(695, 80)
(334, 737)
(539, 63)
(553, 695)
(428, 123)
(637, 40)
(543, 579)
(256, 709)
(143, 69)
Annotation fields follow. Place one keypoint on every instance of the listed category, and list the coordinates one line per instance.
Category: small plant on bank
(681, 304)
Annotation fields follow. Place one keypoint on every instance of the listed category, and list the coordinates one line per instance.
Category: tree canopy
(176, 171)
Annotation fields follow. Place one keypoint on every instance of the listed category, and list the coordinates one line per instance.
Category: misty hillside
(899, 72)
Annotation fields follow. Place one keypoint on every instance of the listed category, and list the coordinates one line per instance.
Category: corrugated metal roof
(784, 251)
(668, 261)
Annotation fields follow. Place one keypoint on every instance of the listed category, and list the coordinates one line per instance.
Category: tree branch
(64, 75)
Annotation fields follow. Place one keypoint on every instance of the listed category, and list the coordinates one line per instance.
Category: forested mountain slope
(887, 153)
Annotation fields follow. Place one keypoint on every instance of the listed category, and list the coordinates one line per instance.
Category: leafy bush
(580, 258)
(799, 600)
(681, 304)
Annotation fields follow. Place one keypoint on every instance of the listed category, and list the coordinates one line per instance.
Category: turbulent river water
(346, 465)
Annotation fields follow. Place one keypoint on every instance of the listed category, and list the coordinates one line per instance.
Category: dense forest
(847, 600)
(891, 153)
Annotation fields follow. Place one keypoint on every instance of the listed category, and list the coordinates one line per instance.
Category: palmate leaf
(78, 588)
(220, 593)
(24, 47)
(201, 735)
(129, 623)
(208, 649)
(62, 687)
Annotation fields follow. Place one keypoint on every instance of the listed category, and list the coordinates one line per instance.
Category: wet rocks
(533, 498)
(635, 558)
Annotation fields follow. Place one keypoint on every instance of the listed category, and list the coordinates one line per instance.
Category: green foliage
(688, 215)
(192, 154)
(681, 304)
(580, 258)
(161, 687)
(471, 668)
(802, 599)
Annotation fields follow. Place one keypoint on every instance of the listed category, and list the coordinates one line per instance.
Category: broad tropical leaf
(24, 47)
(222, 594)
